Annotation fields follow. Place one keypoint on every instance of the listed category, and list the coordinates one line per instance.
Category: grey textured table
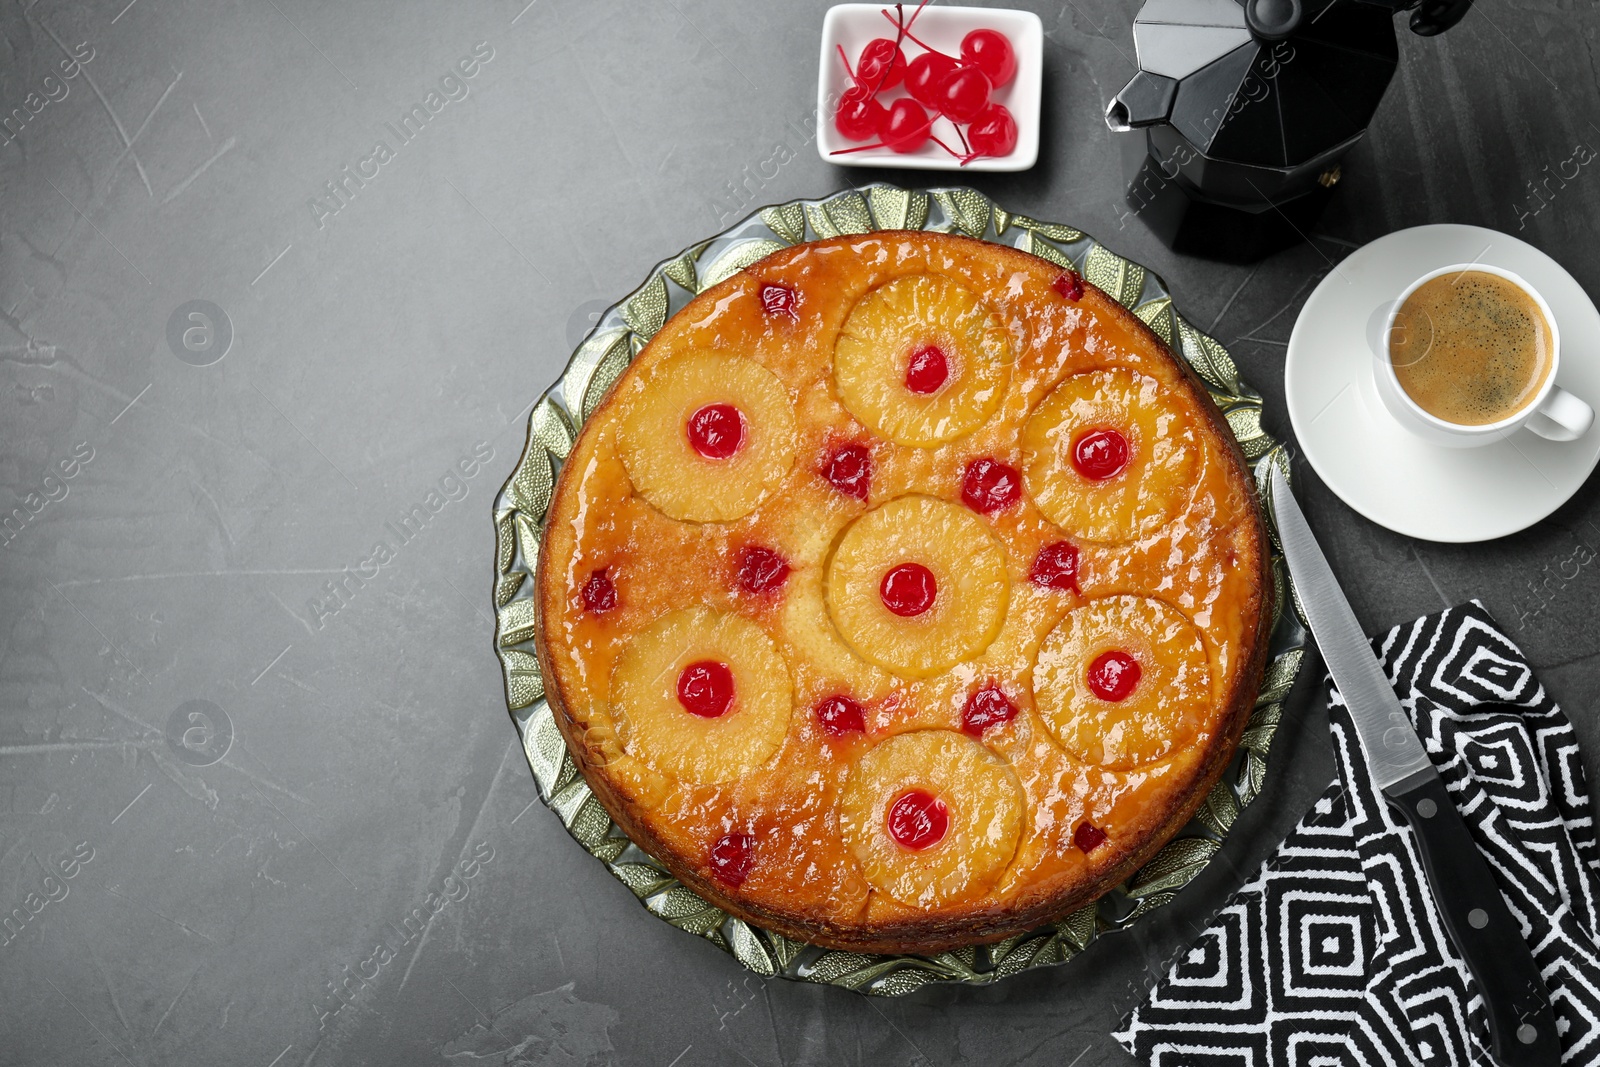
(180, 523)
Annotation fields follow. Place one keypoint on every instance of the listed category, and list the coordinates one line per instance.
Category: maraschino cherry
(881, 64)
(958, 88)
(849, 470)
(908, 590)
(705, 688)
(963, 93)
(600, 592)
(1100, 454)
(987, 707)
(992, 133)
(859, 115)
(918, 820)
(839, 715)
(991, 52)
(732, 857)
(990, 486)
(716, 431)
(1056, 566)
(927, 370)
(779, 300)
(1069, 285)
(1113, 676)
(907, 128)
(1088, 837)
(761, 569)
(926, 73)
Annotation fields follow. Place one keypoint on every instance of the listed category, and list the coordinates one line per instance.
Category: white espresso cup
(1551, 412)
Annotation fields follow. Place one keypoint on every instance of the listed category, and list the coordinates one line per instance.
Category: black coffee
(1471, 348)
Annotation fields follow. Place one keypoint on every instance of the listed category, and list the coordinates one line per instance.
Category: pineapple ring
(815, 642)
(653, 724)
(968, 567)
(666, 469)
(893, 322)
(981, 793)
(1163, 452)
(1168, 705)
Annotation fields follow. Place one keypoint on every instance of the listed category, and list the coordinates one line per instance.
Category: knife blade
(1522, 1029)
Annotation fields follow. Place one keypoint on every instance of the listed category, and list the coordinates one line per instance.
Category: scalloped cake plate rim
(556, 418)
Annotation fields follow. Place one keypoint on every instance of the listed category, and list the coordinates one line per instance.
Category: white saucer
(1387, 474)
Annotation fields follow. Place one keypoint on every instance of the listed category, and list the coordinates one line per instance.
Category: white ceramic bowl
(854, 25)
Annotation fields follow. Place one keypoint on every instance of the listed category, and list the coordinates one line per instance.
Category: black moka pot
(1247, 108)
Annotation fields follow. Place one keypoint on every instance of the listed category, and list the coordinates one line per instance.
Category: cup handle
(1562, 417)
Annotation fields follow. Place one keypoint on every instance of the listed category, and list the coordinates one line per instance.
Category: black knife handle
(1522, 1028)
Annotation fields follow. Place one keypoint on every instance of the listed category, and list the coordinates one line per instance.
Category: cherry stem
(965, 147)
(880, 144)
(912, 21)
(899, 36)
(914, 40)
(846, 61)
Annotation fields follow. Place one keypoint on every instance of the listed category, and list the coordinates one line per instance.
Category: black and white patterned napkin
(1334, 953)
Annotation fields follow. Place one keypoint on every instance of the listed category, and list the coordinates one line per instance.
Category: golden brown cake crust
(1210, 562)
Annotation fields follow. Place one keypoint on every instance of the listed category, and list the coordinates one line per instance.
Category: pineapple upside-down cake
(906, 592)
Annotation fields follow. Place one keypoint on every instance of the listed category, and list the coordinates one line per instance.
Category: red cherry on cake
(849, 470)
(761, 569)
(600, 592)
(993, 133)
(1100, 454)
(716, 431)
(779, 300)
(1088, 837)
(1056, 566)
(908, 590)
(732, 856)
(927, 370)
(990, 486)
(705, 688)
(839, 715)
(963, 93)
(925, 74)
(991, 52)
(987, 707)
(918, 820)
(1069, 285)
(1113, 675)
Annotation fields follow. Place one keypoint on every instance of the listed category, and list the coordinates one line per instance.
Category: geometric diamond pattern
(1334, 953)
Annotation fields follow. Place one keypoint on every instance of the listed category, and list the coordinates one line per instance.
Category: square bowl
(852, 26)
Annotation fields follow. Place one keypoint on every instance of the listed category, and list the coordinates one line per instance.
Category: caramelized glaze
(1206, 562)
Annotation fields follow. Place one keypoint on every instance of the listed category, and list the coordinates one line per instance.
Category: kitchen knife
(1522, 1029)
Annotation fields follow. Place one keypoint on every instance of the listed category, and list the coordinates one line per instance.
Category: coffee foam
(1471, 348)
